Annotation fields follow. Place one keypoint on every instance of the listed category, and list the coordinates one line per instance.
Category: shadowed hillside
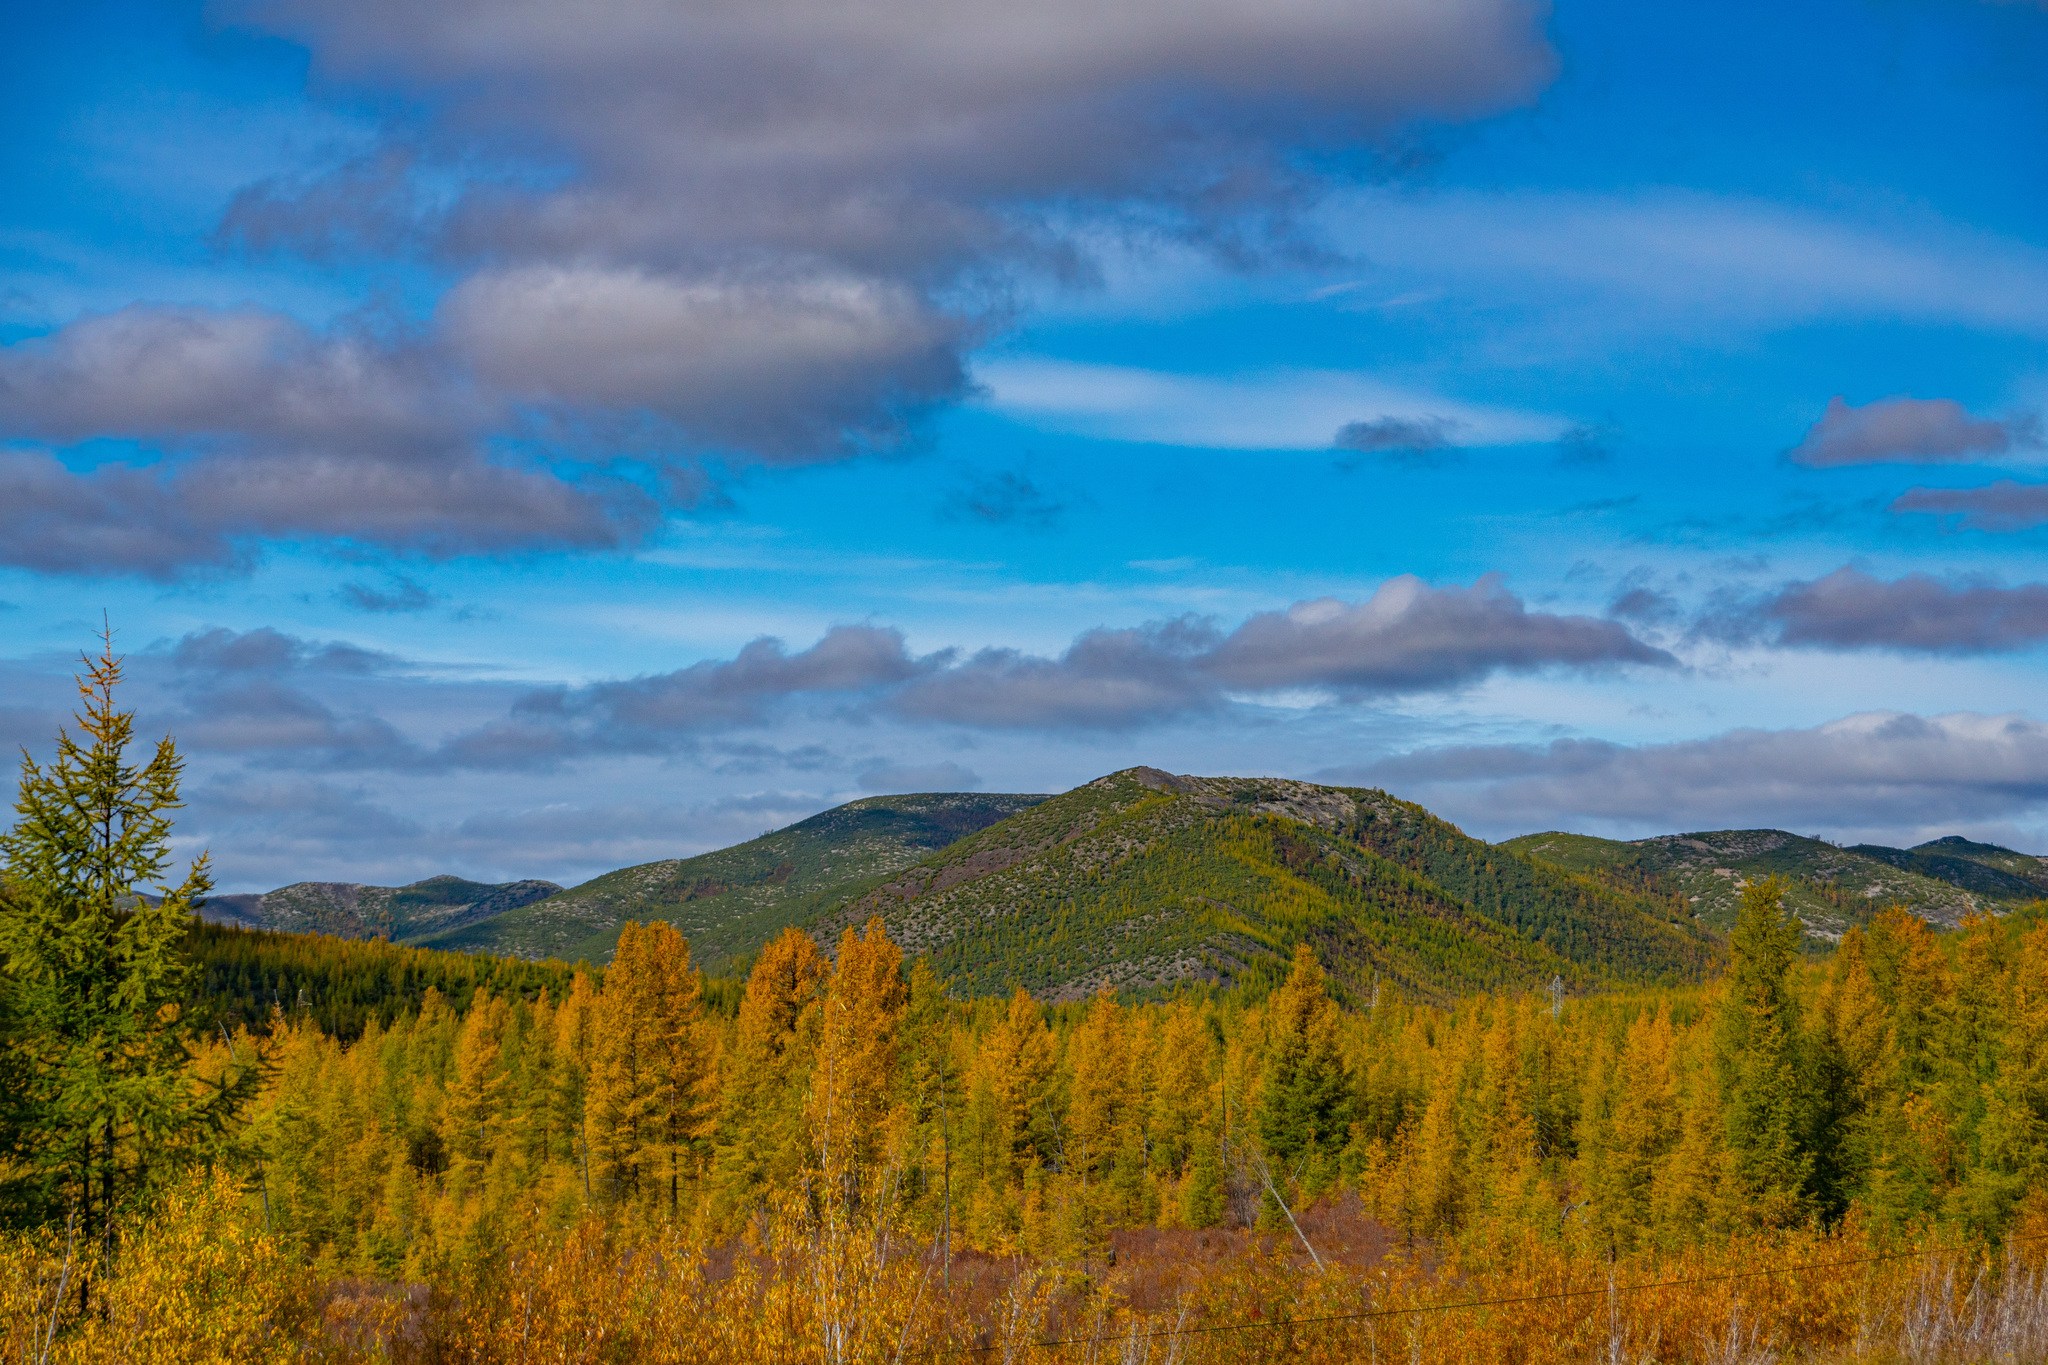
(730, 902)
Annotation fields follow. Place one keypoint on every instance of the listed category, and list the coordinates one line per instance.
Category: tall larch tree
(758, 1136)
(645, 1093)
(853, 1079)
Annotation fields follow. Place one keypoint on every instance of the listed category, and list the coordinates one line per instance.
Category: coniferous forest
(228, 1146)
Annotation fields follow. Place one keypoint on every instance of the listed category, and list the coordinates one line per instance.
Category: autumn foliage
(1809, 1159)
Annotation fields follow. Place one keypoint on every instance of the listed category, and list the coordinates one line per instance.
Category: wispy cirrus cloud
(1617, 263)
(1274, 410)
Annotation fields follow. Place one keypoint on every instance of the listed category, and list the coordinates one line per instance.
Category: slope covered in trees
(353, 910)
(241, 978)
(732, 901)
(1142, 879)
(1832, 888)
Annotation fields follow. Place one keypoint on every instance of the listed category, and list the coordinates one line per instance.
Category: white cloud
(1270, 410)
(1700, 254)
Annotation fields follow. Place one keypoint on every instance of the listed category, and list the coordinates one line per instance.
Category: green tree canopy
(100, 1105)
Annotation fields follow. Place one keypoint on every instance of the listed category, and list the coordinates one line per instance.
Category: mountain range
(1142, 880)
(352, 910)
(1832, 887)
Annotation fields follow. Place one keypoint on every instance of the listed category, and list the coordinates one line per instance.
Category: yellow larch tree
(645, 1102)
(758, 1134)
(853, 1080)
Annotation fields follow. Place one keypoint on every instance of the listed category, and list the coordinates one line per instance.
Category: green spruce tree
(1760, 1063)
(101, 1108)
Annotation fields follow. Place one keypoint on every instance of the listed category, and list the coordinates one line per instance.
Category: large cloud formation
(1874, 770)
(755, 232)
(1408, 637)
(1908, 431)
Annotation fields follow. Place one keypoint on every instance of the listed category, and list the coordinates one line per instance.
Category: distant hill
(1143, 879)
(1831, 887)
(353, 910)
(730, 902)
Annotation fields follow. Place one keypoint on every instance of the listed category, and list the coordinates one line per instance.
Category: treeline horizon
(1902, 1083)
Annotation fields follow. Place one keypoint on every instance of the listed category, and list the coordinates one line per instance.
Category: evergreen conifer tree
(100, 1107)
(1758, 1061)
(1304, 1096)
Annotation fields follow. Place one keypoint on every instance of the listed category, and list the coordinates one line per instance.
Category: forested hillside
(732, 901)
(251, 978)
(1832, 888)
(354, 910)
(1141, 880)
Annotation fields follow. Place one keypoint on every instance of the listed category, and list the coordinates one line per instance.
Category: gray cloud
(773, 229)
(269, 430)
(1410, 637)
(1907, 431)
(905, 136)
(1417, 440)
(1646, 605)
(785, 369)
(1588, 443)
(274, 831)
(228, 376)
(2001, 506)
(1106, 679)
(918, 777)
(1005, 498)
(664, 712)
(267, 649)
(683, 232)
(1407, 637)
(1880, 769)
(1849, 609)
(403, 595)
(295, 818)
(285, 726)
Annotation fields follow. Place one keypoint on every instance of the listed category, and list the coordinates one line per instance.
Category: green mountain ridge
(731, 901)
(1831, 887)
(436, 905)
(1142, 880)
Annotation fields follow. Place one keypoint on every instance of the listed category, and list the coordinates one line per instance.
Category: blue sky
(520, 448)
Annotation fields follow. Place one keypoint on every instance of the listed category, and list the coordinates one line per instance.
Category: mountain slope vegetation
(353, 910)
(729, 902)
(1830, 887)
(1142, 879)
